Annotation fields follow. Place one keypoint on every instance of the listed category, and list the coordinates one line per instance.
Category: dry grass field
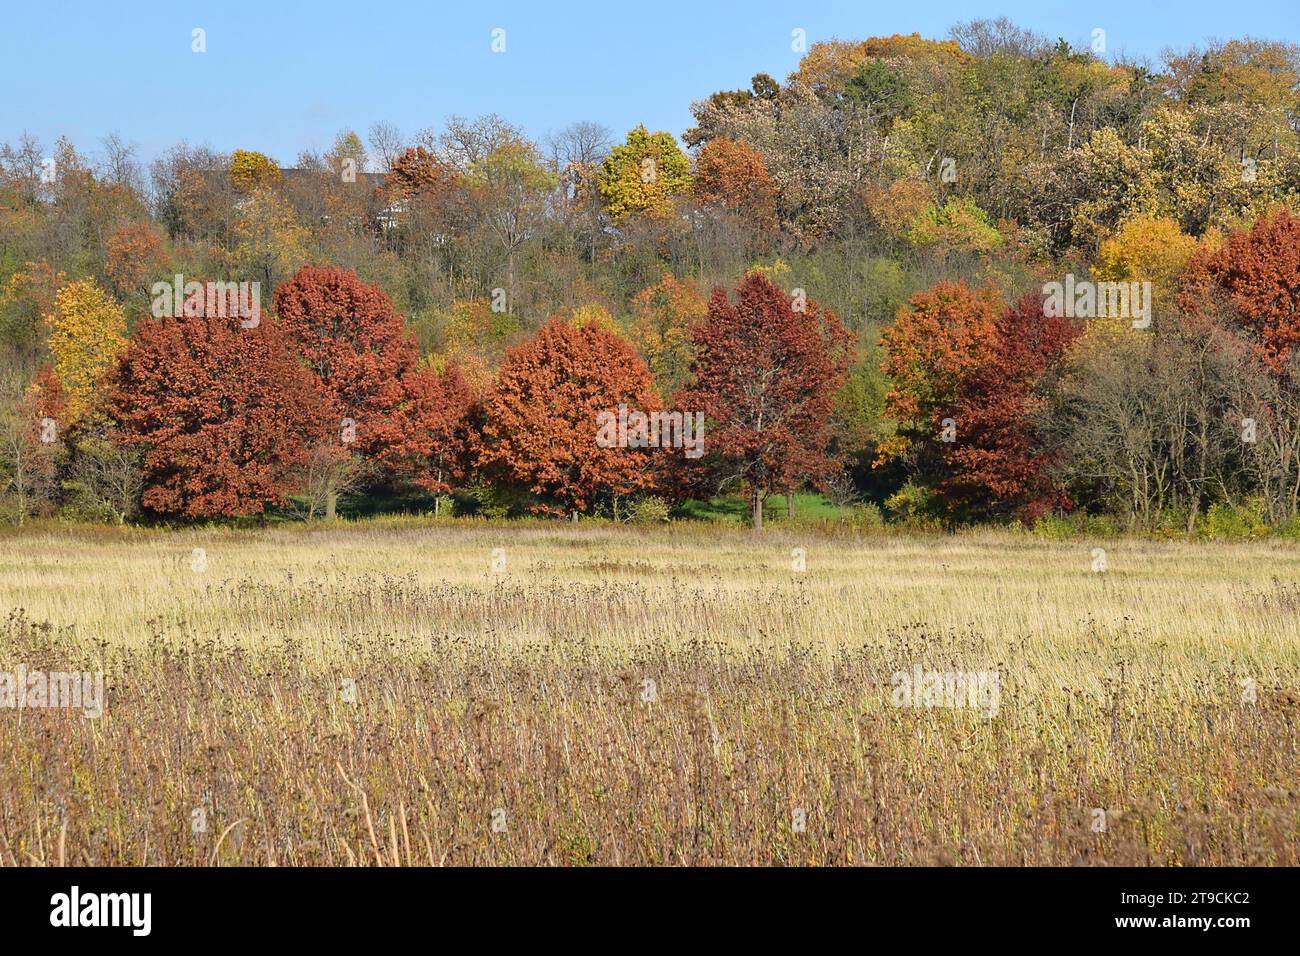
(378, 694)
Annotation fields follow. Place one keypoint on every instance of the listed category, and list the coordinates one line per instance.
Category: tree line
(842, 272)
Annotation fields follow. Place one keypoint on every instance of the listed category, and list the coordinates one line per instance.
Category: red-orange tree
(225, 415)
(417, 173)
(766, 373)
(1258, 272)
(134, 254)
(966, 370)
(358, 349)
(948, 331)
(997, 464)
(425, 190)
(443, 415)
(732, 176)
(540, 424)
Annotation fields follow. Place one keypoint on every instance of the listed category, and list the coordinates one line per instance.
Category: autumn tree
(436, 446)
(1248, 290)
(642, 175)
(731, 176)
(473, 336)
(1257, 272)
(25, 300)
(966, 375)
(416, 173)
(251, 170)
(959, 224)
(358, 351)
(87, 333)
(423, 193)
(224, 416)
(1095, 187)
(766, 373)
(830, 65)
(509, 188)
(348, 154)
(135, 254)
(31, 443)
(996, 463)
(932, 346)
(541, 422)
(1251, 86)
(46, 396)
(269, 241)
(195, 195)
(1145, 248)
(897, 206)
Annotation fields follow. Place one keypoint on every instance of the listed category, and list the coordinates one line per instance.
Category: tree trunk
(331, 504)
(758, 509)
(789, 504)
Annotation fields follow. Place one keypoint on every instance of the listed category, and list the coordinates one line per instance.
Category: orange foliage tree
(357, 347)
(540, 425)
(1257, 272)
(135, 253)
(965, 371)
(417, 173)
(436, 446)
(731, 176)
(947, 331)
(225, 416)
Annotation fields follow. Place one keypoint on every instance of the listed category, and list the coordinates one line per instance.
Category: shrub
(1235, 522)
(1057, 527)
(496, 501)
(864, 515)
(650, 509)
(913, 505)
(1289, 529)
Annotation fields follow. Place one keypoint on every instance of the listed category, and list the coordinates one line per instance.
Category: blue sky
(280, 75)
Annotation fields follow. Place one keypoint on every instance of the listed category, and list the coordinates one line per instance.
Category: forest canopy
(869, 240)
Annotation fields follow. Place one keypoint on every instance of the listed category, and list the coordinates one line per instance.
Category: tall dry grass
(625, 696)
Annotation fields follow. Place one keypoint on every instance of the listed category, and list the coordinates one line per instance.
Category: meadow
(422, 691)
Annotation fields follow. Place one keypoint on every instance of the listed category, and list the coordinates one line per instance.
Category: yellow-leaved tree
(270, 243)
(250, 170)
(1145, 249)
(87, 333)
(597, 315)
(643, 175)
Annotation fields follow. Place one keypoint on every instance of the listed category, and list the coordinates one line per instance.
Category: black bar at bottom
(1218, 906)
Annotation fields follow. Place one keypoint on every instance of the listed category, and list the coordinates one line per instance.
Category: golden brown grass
(519, 699)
